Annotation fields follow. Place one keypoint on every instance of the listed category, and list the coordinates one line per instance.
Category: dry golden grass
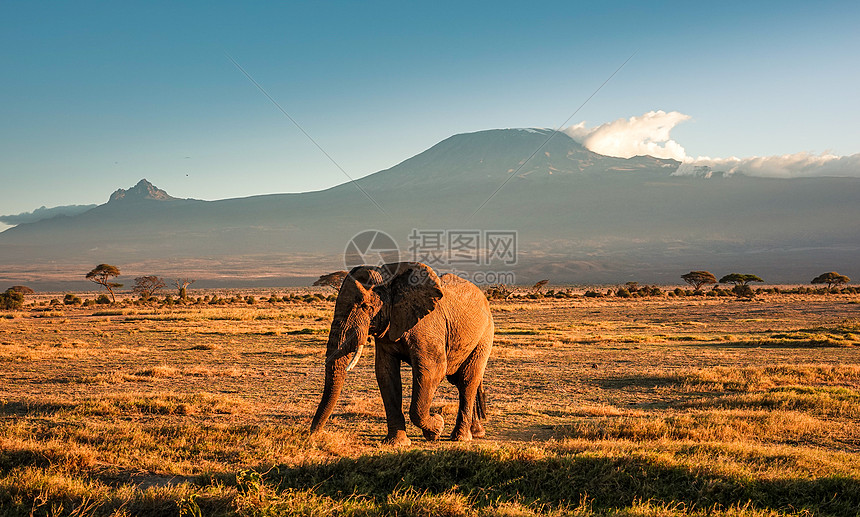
(597, 407)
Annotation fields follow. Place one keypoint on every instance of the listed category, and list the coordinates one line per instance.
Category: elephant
(440, 326)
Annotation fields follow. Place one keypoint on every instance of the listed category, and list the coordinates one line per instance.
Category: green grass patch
(826, 401)
(559, 478)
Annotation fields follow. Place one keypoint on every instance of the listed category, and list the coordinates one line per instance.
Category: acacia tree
(147, 286)
(182, 284)
(333, 280)
(699, 278)
(102, 274)
(831, 279)
(540, 285)
(739, 279)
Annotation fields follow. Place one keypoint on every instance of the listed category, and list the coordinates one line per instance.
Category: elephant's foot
(461, 435)
(432, 434)
(397, 438)
(477, 429)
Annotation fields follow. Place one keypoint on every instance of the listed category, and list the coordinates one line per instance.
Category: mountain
(578, 217)
(143, 191)
(44, 213)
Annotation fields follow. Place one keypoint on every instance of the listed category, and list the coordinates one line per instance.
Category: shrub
(498, 292)
(102, 299)
(11, 300)
(622, 293)
(593, 294)
(743, 291)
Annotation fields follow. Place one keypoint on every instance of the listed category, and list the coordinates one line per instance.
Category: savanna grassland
(638, 407)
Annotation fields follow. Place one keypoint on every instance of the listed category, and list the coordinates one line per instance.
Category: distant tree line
(148, 288)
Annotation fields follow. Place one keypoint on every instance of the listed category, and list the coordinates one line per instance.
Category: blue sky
(96, 96)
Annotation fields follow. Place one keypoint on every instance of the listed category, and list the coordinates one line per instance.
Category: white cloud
(636, 136)
(795, 165)
(650, 135)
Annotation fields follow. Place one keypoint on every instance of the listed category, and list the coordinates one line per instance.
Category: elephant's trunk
(335, 373)
(342, 340)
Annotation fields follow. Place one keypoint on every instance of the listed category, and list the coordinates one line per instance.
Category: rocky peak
(143, 190)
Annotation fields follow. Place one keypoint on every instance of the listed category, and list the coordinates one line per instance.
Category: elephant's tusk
(355, 358)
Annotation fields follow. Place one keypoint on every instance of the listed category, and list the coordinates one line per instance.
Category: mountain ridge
(579, 216)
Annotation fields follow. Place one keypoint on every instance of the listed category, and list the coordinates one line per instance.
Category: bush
(622, 293)
(593, 294)
(102, 300)
(743, 292)
(11, 300)
(498, 292)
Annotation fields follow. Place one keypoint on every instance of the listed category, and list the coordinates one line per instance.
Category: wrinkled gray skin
(441, 327)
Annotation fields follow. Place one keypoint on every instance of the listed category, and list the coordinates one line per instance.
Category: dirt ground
(554, 359)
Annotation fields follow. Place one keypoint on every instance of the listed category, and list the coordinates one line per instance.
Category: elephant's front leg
(391, 388)
(425, 379)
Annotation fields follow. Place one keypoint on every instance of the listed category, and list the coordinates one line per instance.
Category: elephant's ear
(414, 291)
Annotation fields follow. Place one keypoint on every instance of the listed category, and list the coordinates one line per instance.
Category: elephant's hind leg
(468, 380)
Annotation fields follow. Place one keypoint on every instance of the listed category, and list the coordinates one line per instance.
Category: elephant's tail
(481, 403)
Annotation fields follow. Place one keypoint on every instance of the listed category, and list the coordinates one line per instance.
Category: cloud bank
(44, 213)
(797, 165)
(650, 135)
(636, 136)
